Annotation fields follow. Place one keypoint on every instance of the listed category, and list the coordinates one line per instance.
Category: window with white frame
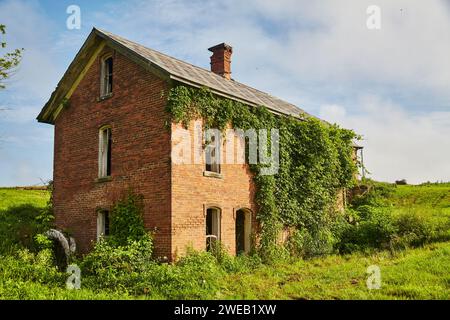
(102, 224)
(212, 227)
(104, 154)
(106, 81)
(212, 151)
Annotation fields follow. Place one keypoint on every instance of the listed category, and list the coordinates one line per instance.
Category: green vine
(315, 162)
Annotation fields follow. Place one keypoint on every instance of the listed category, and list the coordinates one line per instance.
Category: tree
(9, 61)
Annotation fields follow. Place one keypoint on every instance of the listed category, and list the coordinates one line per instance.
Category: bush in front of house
(123, 261)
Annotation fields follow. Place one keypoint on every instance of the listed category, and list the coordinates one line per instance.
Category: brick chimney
(221, 60)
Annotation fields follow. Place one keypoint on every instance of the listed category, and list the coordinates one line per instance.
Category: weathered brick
(174, 195)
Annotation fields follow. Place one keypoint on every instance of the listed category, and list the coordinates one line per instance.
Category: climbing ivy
(315, 162)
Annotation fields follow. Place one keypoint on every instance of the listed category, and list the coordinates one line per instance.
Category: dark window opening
(108, 158)
(105, 147)
(240, 232)
(106, 227)
(107, 76)
(243, 231)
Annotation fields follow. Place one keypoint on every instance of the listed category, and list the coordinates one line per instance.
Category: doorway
(243, 231)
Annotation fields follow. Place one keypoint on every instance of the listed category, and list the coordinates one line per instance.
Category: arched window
(104, 152)
(243, 230)
(106, 80)
(102, 224)
(213, 150)
(213, 219)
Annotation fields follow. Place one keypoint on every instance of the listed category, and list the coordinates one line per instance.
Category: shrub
(126, 220)
(377, 229)
(196, 276)
(373, 227)
(121, 259)
(230, 264)
(416, 230)
(19, 225)
(373, 194)
(303, 244)
(25, 265)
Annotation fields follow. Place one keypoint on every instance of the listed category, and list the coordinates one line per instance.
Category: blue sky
(390, 85)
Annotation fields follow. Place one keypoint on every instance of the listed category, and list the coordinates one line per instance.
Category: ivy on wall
(316, 161)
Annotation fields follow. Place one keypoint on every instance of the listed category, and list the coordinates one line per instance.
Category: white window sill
(103, 179)
(104, 97)
(212, 174)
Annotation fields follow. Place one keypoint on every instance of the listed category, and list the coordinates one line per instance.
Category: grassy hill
(427, 199)
(420, 273)
(10, 197)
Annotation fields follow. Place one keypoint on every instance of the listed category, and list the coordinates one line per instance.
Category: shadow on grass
(18, 226)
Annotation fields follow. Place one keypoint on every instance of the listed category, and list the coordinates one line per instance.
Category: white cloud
(332, 111)
(398, 144)
(302, 50)
(410, 49)
(316, 54)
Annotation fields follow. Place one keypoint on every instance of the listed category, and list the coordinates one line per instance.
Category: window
(104, 154)
(243, 231)
(213, 152)
(106, 77)
(102, 224)
(212, 227)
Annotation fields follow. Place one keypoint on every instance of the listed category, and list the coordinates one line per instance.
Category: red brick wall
(174, 196)
(191, 192)
(140, 152)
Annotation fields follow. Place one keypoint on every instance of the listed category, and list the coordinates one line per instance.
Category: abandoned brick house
(111, 135)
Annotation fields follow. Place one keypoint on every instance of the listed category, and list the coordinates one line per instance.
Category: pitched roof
(170, 68)
(183, 71)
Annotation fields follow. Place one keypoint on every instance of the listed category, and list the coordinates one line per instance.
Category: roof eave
(95, 38)
(74, 69)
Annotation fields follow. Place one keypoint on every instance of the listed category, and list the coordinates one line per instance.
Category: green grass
(435, 196)
(413, 274)
(18, 212)
(10, 197)
(431, 201)
(420, 273)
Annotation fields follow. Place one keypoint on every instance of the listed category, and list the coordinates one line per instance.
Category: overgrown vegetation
(123, 261)
(23, 215)
(127, 270)
(373, 222)
(315, 163)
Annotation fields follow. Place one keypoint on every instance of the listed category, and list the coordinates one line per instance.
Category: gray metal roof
(186, 72)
